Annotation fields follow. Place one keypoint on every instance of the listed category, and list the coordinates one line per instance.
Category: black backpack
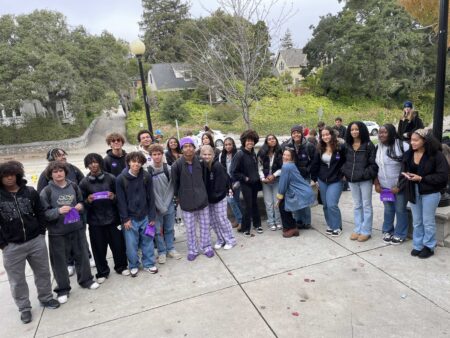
(152, 173)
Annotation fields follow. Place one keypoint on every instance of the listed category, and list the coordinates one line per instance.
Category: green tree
(172, 108)
(286, 40)
(160, 22)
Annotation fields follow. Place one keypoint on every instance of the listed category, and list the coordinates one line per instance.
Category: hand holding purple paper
(387, 195)
(101, 195)
(150, 230)
(72, 216)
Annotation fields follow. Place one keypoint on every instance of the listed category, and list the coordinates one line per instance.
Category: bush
(172, 109)
(225, 113)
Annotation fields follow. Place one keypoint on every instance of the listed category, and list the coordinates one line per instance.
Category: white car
(373, 127)
(218, 137)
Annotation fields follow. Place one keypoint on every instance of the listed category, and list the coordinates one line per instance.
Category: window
(281, 65)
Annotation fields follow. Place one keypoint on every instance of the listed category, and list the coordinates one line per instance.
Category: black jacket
(304, 155)
(189, 188)
(223, 157)
(75, 175)
(22, 216)
(169, 157)
(341, 130)
(331, 174)
(407, 127)
(217, 182)
(102, 211)
(264, 159)
(433, 170)
(244, 165)
(360, 164)
(114, 164)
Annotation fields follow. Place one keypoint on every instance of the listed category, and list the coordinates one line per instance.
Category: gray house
(171, 77)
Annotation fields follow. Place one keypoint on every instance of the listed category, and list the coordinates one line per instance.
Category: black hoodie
(114, 164)
(217, 182)
(22, 216)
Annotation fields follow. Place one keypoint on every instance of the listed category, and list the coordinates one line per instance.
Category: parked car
(373, 127)
(218, 137)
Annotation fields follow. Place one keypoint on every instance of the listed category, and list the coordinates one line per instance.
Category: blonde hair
(207, 148)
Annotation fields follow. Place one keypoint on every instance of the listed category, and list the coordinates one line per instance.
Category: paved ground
(267, 286)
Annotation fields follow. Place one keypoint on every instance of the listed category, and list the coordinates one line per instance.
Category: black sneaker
(387, 238)
(247, 233)
(329, 231)
(51, 304)
(25, 317)
(336, 233)
(415, 252)
(397, 240)
(303, 226)
(426, 252)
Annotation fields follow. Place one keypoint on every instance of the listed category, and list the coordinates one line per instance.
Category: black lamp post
(137, 48)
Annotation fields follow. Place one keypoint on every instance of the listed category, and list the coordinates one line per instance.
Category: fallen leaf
(289, 273)
(296, 314)
(313, 280)
(307, 280)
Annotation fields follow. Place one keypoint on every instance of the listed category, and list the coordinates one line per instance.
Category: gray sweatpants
(14, 257)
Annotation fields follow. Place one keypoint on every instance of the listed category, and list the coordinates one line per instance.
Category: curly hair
(333, 141)
(12, 168)
(142, 132)
(363, 133)
(135, 156)
(249, 134)
(93, 157)
(114, 136)
(55, 165)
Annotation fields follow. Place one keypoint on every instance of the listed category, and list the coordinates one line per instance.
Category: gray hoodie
(52, 198)
(163, 189)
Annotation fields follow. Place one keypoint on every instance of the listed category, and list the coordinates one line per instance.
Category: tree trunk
(246, 115)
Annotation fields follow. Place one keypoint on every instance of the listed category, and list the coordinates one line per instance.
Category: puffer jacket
(360, 164)
(245, 165)
(304, 155)
(217, 182)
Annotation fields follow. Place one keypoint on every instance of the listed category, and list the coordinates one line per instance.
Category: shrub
(172, 109)
(225, 113)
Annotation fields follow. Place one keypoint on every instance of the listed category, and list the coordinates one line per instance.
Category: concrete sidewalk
(267, 286)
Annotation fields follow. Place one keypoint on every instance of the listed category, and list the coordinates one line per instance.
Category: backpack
(152, 173)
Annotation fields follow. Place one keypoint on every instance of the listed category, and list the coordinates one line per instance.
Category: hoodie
(163, 188)
(114, 164)
(75, 175)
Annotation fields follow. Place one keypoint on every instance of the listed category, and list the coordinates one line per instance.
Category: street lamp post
(137, 48)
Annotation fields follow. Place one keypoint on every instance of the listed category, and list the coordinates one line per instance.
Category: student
(244, 168)
(173, 151)
(424, 175)
(136, 203)
(207, 139)
(190, 190)
(62, 201)
(294, 193)
(145, 139)
(22, 239)
(226, 157)
(326, 172)
(165, 208)
(339, 127)
(269, 168)
(98, 189)
(218, 187)
(114, 161)
(360, 170)
(409, 122)
(389, 158)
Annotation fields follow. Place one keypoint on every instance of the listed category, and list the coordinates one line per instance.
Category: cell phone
(408, 176)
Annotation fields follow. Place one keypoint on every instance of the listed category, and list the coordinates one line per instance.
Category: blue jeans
(270, 191)
(135, 238)
(303, 216)
(362, 201)
(424, 221)
(164, 230)
(235, 205)
(330, 194)
(396, 209)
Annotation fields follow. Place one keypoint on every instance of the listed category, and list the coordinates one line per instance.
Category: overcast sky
(121, 17)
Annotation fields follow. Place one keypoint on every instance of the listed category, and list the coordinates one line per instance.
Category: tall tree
(160, 21)
(286, 41)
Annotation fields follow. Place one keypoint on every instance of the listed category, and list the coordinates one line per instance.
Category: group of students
(130, 200)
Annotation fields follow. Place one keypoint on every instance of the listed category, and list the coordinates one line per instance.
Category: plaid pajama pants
(220, 223)
(202, 216)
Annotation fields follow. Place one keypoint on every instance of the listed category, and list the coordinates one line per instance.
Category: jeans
(424, 221)
(235, 205)
(362, 201)
(135, 237)
(330, 194)
(164, 230)
(303, 216)
(396, 209)
(270, 191)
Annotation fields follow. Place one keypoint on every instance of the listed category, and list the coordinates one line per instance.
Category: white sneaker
(134, 272)
(94, 286)
(279, 227)
(161, 259)
(152, 269)
(125, 272)
(62, 299)
(101, 280)
(92, 262)
(70, 270)
(228, 246)
(218, 246)
(174, 254)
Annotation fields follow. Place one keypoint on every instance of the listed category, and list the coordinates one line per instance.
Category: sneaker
(247, 233)
(363, 238)
(354, 236)
(329, 231)
(70, 270)
(174, 254)
(228, 246)
(101, 280)
(426, 253)
(209, 253)
(92, 262)
(125, 272)
(336, 233)
(94, 286)
(25, 317)
(161, 259)
(218, 245)
(152, 269)
(397, 240)
(191, 257)
(415, 252)
(273, 227)
(134, 272)
(279, 227)
(387, 238)
(63, 299)
(259, 230)
(51, 304)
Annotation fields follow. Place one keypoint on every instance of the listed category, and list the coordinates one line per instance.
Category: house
(171, 77)
(291, 61)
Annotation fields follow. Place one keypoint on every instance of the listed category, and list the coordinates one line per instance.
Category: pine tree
(286, 41)
(160, 22)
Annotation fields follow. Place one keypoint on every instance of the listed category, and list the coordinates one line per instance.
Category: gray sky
(120, 17)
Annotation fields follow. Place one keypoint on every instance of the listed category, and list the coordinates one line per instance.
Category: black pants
(286, 217)
(251, 211)
(60, 247)
(101, 236)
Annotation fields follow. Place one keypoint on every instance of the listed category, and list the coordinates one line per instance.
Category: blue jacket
(295, 190)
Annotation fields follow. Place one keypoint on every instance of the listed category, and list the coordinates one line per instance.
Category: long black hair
(178, 148)
(265, 149)
(12, 168)
(363, 133)
(392, 139)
